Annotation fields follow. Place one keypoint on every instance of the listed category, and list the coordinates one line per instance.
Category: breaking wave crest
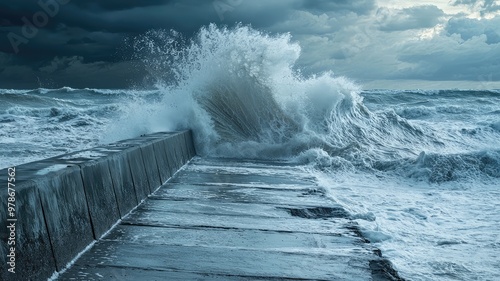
(242, 94)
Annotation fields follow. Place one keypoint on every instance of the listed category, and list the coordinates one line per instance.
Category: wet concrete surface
(234, 220)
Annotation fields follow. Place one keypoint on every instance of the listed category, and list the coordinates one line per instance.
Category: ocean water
(418, 170)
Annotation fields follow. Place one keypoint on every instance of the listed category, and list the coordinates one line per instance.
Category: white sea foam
(239, 91)
(428, 231)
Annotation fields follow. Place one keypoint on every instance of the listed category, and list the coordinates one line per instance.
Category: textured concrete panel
(65, 202)
(162, 160)
(66, 213)
(151, 166)
(139, 174)
(123, 183)
(227, 220)
(101, 198)
(34, 259)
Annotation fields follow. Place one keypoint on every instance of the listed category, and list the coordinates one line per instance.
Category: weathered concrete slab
(171, 154)
(64, 202)
(121, 176)
(101, 197)
(214, 207)
(344, 264)
(189, 139)
(228, 163)
(163, 160)
(306, 196)
(131, 173)
(238, 238)
(151, 166)
(261, 168)
(67, 216)
(139, 174)
(184, 149)
(194, 177)
(99, 190)
(133, 274)
(33, 257)
(153, 217)
(174, 142)
(240, 221)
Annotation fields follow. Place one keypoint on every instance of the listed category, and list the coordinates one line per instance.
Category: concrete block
(127, 172)
(182, 148)
(139, 175)
(185, 149)
(66, 213)
(34, 259)
(123, 183)
(162, 160)
(177, 147)
(185, 136)
(172, 153)
(151, 166)
(65, 202)
(101, 197)
(117, 155)
(190, 143)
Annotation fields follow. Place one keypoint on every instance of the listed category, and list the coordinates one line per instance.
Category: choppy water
(419, 169)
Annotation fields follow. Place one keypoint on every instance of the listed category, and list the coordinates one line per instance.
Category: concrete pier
(216, 219)
(234, 220)
(64, 203)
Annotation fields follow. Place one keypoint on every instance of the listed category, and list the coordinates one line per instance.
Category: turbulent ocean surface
(418, 170)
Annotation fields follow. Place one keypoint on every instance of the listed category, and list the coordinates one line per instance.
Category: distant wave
(445, 92)
(442, 168)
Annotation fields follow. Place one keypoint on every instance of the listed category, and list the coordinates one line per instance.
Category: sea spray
(241, 92)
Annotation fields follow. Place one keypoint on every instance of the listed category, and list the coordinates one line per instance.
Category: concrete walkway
(234, 220)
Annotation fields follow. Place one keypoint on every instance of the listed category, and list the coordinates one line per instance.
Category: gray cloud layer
(410, 18)
(482, 6)
(82, 41)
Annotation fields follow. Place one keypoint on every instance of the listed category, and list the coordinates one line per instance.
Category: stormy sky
(378, 43)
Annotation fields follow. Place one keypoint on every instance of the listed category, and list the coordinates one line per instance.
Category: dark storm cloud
(82, 44)
(358, 7)
(134, 17)
(260, 14)
(91, 30)
(106, 16)
(74, 72)
(118, 4)
(185, 16)
(95, 31)
(468, 28)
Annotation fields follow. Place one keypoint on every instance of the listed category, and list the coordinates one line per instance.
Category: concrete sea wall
(63, 204)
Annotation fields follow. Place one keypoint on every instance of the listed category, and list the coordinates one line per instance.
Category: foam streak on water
(419, 170)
